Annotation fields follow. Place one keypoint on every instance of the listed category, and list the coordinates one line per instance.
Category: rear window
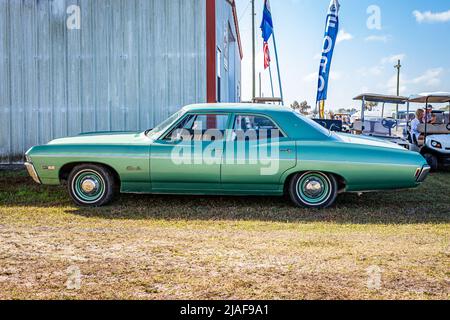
(313, 124)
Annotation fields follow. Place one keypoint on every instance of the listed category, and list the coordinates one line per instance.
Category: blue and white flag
(267, 31)
(331, 32)
(267, 23)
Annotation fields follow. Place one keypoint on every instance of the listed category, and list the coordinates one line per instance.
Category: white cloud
(314, 76)
(431, 17)
(379, 69)
(373, 71)
(391, 85)
(317, 56)
(393, 58)
(383, 38)
(430, 78)
(310, 77)
(335, 75)
(343, 36)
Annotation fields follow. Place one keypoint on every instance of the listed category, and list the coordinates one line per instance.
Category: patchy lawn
(391, 245)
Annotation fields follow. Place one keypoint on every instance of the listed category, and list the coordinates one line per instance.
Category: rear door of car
(257, 153)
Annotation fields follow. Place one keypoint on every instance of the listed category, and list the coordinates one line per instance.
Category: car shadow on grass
(427, 204)
(374, 208)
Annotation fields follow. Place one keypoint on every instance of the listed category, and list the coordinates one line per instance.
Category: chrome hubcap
(313, 188)
(90, 186)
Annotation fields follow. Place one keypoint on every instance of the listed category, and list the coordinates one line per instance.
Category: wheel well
(65, 171)
(342, 184)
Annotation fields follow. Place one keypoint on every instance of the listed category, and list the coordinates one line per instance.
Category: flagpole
(271, 81)
(254, 52)
(278, 67)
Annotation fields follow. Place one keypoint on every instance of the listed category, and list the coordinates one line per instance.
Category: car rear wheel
(91, 185)
(313, 190)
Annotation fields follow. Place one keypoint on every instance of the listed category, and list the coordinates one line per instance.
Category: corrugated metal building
(73, 66)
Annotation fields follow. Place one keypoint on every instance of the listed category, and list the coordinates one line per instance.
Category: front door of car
(188, 158)
(257, 153)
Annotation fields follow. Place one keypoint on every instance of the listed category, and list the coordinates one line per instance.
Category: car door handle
(286, 150)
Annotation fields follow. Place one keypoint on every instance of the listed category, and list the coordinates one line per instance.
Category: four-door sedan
(233, 149)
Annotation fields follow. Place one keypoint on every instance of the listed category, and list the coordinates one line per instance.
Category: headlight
(436, 144)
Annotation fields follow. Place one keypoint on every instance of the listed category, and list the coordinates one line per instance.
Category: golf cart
(379, 124)
(434, 140)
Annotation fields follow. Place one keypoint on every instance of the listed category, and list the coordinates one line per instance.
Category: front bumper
(424, 174)
(32, 172)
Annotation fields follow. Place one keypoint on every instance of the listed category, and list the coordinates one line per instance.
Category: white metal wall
(230, 71)
(131, 64)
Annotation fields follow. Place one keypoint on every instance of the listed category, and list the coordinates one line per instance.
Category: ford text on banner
(331, 32)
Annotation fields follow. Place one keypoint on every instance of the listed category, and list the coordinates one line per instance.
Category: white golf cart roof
(382, 98)
(433, 97)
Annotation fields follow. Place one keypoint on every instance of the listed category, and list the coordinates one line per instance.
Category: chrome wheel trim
(328, 188)
(90, 186)
(97, 183)
(313, 187)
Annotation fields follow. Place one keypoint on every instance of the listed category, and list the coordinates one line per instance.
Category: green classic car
(226, 149)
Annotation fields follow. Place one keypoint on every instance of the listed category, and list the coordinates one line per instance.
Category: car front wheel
(313, 190)
(91, 185)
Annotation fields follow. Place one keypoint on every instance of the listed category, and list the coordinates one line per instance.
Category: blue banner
(331, 32)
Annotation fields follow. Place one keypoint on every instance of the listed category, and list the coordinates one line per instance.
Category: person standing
(418, 120)
(428, 117)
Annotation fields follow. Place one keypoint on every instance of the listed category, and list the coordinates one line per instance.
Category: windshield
(314, 124)
(163, 126)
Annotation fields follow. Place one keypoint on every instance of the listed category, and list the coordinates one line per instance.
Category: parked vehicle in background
(220, 149)
(434, 140)
(381, 125)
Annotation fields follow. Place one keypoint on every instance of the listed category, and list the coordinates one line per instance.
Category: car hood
(105, 138)
(368, 141)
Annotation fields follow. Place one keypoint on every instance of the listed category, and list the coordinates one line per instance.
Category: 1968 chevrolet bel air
(217, 149)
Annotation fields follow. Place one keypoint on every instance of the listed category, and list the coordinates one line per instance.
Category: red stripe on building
(211, 51)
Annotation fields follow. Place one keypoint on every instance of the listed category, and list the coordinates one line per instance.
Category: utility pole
(253, 51)
(398, 67)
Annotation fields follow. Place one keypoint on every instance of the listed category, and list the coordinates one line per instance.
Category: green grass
(180, 247)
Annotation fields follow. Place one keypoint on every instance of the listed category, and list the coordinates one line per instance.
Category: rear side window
(250, 127)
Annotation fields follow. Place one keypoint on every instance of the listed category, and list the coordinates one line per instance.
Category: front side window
(158, 130)
(200, 127)
(248, 127)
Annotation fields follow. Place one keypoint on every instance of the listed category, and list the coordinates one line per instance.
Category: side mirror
(176, 139)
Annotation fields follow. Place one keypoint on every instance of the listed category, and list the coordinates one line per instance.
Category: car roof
(235, 107)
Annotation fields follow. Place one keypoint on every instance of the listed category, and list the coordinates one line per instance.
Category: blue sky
(417, 31)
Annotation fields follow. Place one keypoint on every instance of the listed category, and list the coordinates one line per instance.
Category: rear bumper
(32, 172)
(424, 174)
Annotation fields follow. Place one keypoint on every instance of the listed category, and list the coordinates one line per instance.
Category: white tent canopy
(382, 98)
(432, 97)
